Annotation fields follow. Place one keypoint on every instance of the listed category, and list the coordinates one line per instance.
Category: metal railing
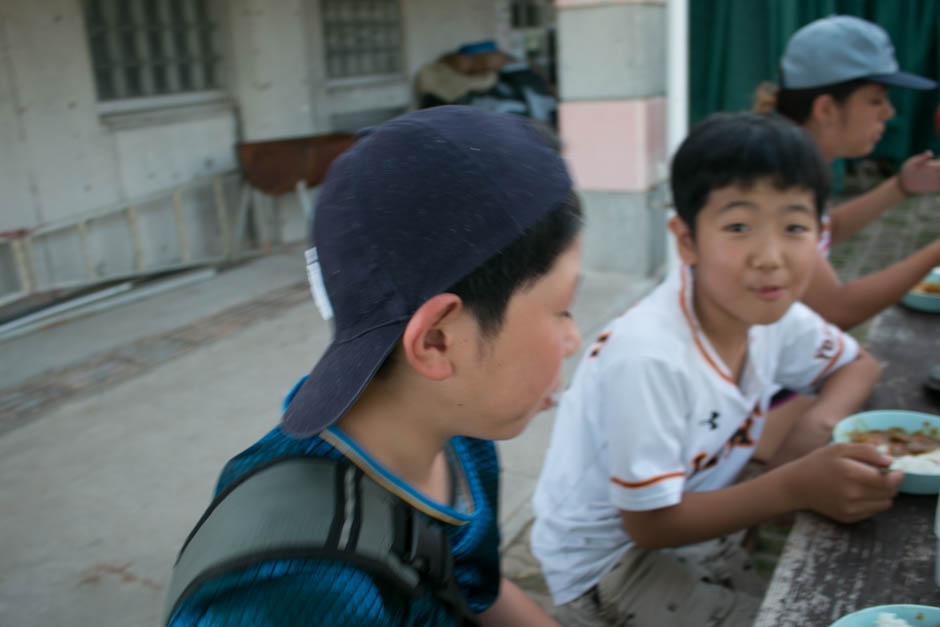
(24, 244)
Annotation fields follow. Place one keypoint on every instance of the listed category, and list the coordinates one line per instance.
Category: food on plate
(897, 442)
(928, 287)
(912, 452)
(924, 464)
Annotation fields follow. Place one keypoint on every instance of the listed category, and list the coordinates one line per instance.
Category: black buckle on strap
(430, 551)
(423, 545)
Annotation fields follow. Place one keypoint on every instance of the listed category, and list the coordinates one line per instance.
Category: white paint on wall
(388, 94)
(17, 206)
(433, 27)
(63, 149)
(430, 28)
(270, 68)
(154, 158)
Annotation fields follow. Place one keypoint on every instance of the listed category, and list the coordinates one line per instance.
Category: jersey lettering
(599, 344)
(742, 437)
(827, 348)
(699, 464)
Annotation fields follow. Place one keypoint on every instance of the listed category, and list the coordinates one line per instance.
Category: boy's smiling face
(753, 251)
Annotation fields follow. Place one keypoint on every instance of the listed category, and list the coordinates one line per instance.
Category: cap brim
(334, 384)
(903, 79)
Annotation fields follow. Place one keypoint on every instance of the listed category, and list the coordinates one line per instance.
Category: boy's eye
(737, 227)
(566, 314)
(797, 228)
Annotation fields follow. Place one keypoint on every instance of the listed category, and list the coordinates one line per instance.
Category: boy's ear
(429, 338)
(685, 241)
(825, 110)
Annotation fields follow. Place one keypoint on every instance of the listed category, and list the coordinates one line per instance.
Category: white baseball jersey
(653, 412)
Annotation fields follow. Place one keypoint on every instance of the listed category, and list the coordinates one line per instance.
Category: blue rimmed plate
(917, 615)
(910, 421)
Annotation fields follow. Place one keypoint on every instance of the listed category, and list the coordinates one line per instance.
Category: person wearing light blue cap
(833, 80)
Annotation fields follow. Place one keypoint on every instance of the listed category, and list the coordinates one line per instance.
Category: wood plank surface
(907, 344)
(828, 570)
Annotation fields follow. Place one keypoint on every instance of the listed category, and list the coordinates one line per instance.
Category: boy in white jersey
(637, 497)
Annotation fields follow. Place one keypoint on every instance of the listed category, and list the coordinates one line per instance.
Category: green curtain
(736, 44)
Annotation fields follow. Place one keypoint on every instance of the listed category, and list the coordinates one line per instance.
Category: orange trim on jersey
(636, 485)
(832, 361)
(694, 327)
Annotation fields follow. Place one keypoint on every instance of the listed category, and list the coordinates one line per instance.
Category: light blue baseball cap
(841, 48)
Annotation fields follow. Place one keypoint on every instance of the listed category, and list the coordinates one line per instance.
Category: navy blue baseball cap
(841, 48)
(414, 206)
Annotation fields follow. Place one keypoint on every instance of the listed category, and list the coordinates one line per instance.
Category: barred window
(526, 13)
(142, 48)
(362, 37)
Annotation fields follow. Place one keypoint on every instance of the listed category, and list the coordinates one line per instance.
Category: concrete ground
(114, 426)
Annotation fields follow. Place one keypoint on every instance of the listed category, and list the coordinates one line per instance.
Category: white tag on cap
(317, 287)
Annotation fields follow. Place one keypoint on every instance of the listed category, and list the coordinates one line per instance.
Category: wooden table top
(828, 569)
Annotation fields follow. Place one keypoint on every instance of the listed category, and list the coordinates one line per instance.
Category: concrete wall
(271, 67)
(612, 69)
(61, 156)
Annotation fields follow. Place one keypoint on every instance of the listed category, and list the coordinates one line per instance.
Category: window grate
(145, 48)
(526, 14)
(362, 37)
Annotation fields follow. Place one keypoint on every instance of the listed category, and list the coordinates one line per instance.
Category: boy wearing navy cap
(447, 253)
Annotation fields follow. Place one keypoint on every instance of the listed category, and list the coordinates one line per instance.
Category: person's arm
(919, 175)
(849, 304)
(842, 393)
(850, 217)
(854, 488)
(514, 607)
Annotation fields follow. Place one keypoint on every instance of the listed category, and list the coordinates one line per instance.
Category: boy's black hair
(797, 104)
(486, 291)
(741, 149)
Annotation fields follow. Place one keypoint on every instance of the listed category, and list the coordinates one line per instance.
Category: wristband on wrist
(904, 190)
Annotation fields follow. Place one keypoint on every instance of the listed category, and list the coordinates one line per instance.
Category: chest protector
(318, 508)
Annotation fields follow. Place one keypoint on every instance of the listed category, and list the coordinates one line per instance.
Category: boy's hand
(847, 481)
(920, 174)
